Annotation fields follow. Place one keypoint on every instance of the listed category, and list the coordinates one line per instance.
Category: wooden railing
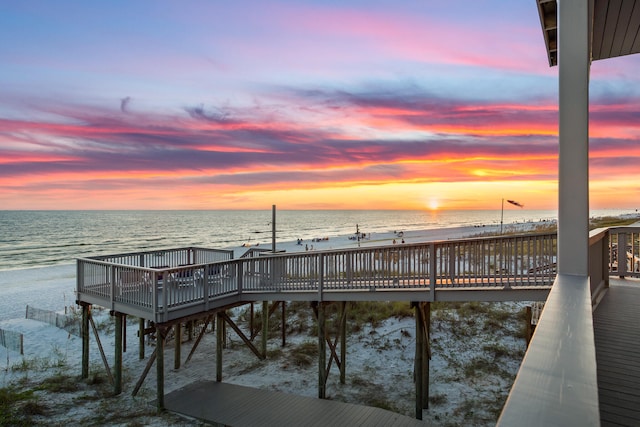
(162, 285)
(557, 381)
(624, 251)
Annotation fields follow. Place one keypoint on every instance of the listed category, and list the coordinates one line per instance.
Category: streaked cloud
(312, 104)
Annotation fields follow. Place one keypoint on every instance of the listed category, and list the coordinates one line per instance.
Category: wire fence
(12, 340)
(70, 324)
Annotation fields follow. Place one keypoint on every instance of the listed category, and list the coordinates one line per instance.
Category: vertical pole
(251, 321)
(265, 327)
(343, 343)
(219, 341)
(117, 364)
(418, 362)
(426, 318)
(141, 338)
(273, 229)
(124, 333)
(284, 323)
(223, 327)
(322, 353)
(528, 317)
(86, 312)
(622, 255)
(160, 367)
(501, 216)
(573, 177)
(178, 347)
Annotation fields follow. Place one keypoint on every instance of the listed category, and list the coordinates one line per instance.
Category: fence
(12, 340)
(523, 264)
(68, 323)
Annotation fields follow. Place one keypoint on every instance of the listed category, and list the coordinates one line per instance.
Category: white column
(574, 61)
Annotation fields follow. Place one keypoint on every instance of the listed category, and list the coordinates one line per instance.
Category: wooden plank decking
(238, 406)
(616, 323)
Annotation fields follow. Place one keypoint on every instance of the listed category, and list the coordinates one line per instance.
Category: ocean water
(48, 238)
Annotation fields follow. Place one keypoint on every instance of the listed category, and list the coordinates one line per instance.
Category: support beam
(322, 353)
(189, 330)
(141, 338)
(418, 359)
(101, 349)
(251, 314)
(343, 342)
(242, 336)
(426, 352)
(265, 327)
(528, 324)
(124, 332)
(199, 338)
(160, 337)
(284, 323)
(573, 179)
(178, 348)
(86, 313)
(219, 344)
(117, 364)
(145, 372)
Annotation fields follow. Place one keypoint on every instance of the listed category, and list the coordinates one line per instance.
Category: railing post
(240, 274)
(622, 254)
(79, 276)
(605, 258)
(433, 274)
(113, 286)
(154, 295)
(452, 262)
(165, 290)
(320, 276)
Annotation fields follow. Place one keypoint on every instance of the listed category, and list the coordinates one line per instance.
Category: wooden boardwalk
(616, 323)
(238, 406)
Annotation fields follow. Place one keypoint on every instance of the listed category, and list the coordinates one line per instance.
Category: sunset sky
(302, 104)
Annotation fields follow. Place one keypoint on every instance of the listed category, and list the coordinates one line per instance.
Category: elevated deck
(164, 286)
(616, 324)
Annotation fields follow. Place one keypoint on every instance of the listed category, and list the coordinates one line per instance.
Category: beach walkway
(616, 324)
(238, 406)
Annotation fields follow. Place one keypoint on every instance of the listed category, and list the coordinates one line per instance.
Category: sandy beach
(381, 357)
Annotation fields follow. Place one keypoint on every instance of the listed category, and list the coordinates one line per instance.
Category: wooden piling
(529, 326)
(86, 313)
(322, 353)
(251, 315)
(265, 326)
(426, 353)
(418, 359)
(284, 323)
(343, 342)
(177, 349)
(124, 332)
(160, 337)
(219, 341)
(190, 330)
(141, 338)
(117, 364)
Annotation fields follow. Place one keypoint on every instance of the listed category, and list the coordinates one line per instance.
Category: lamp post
(502, 216)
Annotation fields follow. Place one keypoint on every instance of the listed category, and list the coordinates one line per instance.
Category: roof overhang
(615, 28)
